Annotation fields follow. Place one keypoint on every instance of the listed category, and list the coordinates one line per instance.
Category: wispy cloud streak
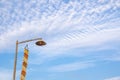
(71, 67)
(114, 78)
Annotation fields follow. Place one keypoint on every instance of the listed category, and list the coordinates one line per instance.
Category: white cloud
(114, 78)
(76, 40)
(71, 66)
(112, 57)
(70, 26)
(5, 74)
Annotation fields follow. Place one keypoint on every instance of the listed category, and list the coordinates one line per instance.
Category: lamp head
(40, 43)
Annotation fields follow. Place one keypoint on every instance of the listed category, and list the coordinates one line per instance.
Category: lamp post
(40, 42)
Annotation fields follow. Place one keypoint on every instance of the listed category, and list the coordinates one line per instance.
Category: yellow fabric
(25, 60)
(26, 51)
(23, 67)
(22, 77)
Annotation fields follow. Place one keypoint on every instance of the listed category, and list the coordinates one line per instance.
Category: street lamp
(40, 42)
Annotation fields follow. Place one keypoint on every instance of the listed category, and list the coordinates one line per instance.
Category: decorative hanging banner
(24, 64)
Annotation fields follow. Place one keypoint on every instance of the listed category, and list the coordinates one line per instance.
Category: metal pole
(15, 60)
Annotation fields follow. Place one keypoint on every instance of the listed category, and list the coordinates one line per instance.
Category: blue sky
(82, 36)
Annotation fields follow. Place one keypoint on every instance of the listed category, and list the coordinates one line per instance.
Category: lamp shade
(40, 43)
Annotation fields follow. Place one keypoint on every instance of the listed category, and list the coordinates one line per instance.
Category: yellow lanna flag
(24, 64)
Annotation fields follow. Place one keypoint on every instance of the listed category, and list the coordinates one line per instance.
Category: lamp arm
(29, 40)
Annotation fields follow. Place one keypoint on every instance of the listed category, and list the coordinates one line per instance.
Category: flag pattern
(24, 64)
